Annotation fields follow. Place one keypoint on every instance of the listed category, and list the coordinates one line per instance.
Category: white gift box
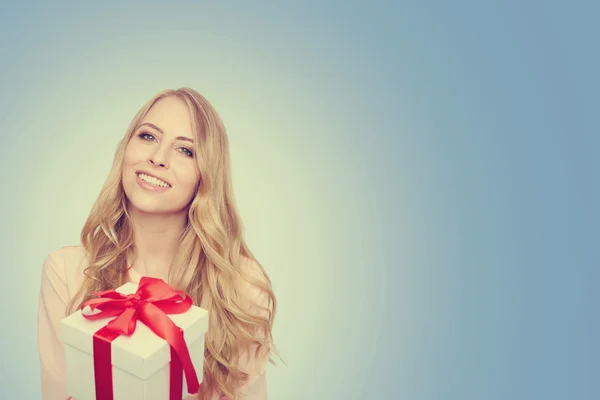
(140, 362)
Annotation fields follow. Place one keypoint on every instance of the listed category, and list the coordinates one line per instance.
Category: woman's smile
(151, 183)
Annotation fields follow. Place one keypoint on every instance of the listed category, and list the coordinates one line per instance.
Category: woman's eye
(146, 136)
(186, 151)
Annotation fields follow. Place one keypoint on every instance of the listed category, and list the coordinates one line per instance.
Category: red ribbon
(151, 303)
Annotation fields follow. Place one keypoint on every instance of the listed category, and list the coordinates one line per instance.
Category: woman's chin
(152, 208)
(145, 202)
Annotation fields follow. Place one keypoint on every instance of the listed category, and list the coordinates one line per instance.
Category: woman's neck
(156, 240)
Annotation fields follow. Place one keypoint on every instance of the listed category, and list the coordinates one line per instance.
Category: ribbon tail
(162, 326)
(184, 358)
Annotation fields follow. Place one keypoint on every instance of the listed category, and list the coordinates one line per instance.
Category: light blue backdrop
(419, 179)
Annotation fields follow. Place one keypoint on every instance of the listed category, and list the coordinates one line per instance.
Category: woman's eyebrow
(151, 126)
(185, 138)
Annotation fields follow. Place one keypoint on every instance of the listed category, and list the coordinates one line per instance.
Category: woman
(167, 211)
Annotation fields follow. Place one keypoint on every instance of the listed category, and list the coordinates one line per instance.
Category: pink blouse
(61, 278)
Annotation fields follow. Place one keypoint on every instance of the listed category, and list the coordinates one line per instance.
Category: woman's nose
(159, 158)
(157, 163)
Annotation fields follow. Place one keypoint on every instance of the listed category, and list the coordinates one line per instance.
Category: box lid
(142, 353)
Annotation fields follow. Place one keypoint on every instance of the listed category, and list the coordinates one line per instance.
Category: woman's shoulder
(68, 255)
(252, 288)
(251, 267)
(66, 262)
(254, 271)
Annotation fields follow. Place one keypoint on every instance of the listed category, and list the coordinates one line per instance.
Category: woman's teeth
(153, 181)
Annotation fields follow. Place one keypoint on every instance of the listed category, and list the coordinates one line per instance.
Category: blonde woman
(167, 210)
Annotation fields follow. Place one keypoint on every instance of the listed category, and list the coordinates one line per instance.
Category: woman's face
(160, 173)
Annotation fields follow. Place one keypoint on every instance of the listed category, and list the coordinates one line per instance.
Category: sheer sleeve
(53, 300)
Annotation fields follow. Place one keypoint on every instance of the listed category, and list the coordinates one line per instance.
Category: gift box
(141, 366)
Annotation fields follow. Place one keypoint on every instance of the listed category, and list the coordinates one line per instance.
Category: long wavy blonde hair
(209, 262)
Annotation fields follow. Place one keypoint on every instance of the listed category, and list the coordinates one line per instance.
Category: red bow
(151, 303)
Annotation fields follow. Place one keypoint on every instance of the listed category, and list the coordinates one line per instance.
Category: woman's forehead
(171, 115)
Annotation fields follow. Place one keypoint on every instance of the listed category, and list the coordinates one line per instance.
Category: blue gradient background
(419, 180)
